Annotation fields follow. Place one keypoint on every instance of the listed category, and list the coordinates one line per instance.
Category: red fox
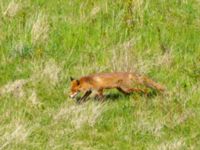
(123, 81)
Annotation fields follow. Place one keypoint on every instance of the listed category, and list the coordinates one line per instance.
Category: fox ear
(78, 82)
(71, 78)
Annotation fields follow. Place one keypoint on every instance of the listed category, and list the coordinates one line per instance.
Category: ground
(44, 42)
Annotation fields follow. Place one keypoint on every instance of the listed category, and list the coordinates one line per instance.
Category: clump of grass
(175, 144)
(12, 9)
(15, 133)
(14, 88)
(48, 71)
(22, 50)
(40, 29)
(80, 115)
(33, 98)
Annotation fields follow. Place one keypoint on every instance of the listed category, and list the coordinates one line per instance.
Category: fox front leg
(83, 98)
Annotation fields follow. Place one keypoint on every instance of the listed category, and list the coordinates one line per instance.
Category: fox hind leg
(124, 90)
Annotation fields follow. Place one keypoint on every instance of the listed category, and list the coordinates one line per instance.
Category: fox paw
(99, 97)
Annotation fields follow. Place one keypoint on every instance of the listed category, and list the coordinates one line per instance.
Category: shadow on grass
(118, 96)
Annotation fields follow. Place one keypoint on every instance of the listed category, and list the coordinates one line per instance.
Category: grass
(43, 43)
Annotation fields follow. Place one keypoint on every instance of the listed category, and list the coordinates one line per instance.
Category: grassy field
(44, 42)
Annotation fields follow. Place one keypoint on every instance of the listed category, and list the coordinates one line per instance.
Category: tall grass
(42, 43)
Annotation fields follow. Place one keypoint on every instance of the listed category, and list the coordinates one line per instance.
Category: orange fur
(123, 81)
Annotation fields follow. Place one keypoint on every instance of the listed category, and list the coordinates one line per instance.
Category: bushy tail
(152, 84)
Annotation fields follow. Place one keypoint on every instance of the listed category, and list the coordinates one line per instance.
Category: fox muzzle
(73, 95)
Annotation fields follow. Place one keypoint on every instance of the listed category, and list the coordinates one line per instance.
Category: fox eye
(78, 82)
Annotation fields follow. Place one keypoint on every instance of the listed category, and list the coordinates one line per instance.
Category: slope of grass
(43, 42)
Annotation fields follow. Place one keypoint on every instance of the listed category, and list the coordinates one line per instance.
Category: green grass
(44, 42)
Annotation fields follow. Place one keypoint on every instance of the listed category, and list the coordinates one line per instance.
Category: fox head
(75, 87)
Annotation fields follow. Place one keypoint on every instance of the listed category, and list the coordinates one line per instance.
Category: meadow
(44, 42)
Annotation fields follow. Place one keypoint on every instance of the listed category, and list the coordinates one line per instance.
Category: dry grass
(44, 42)
(80, 115)
(51, 71)
(176, 144)
(123, 56)
(84, 145)
(12, 9)
(145, 123)
(95, 10)
(40, 29)
(46, 71)
(15, 132)
(126, 58)
(33, 98)
(14, 88)
(164, 60)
